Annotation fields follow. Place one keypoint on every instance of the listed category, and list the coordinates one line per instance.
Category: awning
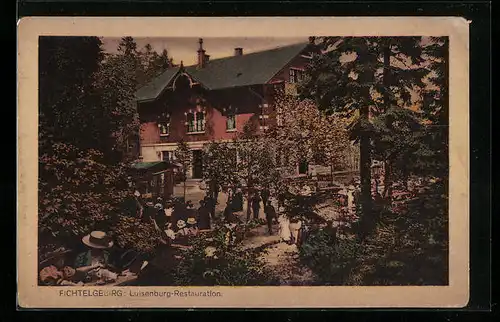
(155, 166)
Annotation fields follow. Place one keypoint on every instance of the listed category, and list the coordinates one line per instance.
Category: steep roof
(235, 71)
(154, 88)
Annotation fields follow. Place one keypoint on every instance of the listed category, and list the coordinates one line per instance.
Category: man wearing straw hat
(99, 243)
(97, 257)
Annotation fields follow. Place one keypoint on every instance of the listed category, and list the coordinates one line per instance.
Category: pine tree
(367, 77)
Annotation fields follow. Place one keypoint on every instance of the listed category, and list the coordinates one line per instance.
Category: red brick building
(213, 99)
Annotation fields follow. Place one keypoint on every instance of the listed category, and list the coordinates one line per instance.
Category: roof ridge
(255, 52)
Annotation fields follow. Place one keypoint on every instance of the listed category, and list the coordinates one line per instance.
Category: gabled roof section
(235, 71)
(155, 87)
(247, 69)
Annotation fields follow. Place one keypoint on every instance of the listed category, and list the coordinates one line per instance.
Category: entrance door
(197, 164)
(303, 167)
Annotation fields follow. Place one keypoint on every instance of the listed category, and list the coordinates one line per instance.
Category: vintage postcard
(243, 162)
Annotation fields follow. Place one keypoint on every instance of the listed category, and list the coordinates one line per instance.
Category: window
(167, 156)
(190, 122)
(296, 75)
(230, 122)
(200, 122)
(164, 124)
(263, 122)
(195, 122)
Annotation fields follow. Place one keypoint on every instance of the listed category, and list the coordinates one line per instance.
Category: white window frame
(165, 125)
(196, 130)
(169, 152)
(227, 119)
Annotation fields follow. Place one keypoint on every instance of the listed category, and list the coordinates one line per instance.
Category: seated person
(96, 259)
(192, 226)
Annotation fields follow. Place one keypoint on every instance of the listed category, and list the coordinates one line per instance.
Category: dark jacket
(203, 218)
(270, 211)
(237, 202)
(256, 201)
(265, 194)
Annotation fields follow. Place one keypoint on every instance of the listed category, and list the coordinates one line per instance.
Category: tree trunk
(365, 174)
(184, 188)
(387, 180)
(386, 81)
(249, 208)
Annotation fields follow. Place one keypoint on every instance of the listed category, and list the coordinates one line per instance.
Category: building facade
(214, 99)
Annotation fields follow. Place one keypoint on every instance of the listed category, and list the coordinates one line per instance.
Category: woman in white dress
(284, 223)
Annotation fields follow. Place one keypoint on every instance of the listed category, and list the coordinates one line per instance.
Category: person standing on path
(265, 194)
(203, 216)
(256, 204)
(270, 215)
(238, 200)
(284, 223)
(210, 203)
(295, 225)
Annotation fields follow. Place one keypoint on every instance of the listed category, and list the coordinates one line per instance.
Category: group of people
(175, 218)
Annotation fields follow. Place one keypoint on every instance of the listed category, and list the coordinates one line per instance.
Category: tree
(68, 102)
(152, 63)
(312, 136)
(184, 157)
(256, 164)
(78, 192)
(219, 160)
(436, 106)
(367, 76)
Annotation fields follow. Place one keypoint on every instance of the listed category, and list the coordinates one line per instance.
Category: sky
(185, 49)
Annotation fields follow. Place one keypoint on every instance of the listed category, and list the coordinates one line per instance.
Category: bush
(132, 233)
(212, 261)
(409, 248)
(78, 192)
(330, 258)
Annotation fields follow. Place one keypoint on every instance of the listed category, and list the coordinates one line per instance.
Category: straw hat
(181, 223)
(191, 221)
(97, 239)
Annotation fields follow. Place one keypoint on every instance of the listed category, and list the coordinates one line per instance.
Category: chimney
(201, 55)
(238, 51)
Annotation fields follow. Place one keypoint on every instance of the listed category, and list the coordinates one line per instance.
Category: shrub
(132, 233)
(409, 248)
(78, 192)
(330, 258)
(212, 261)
